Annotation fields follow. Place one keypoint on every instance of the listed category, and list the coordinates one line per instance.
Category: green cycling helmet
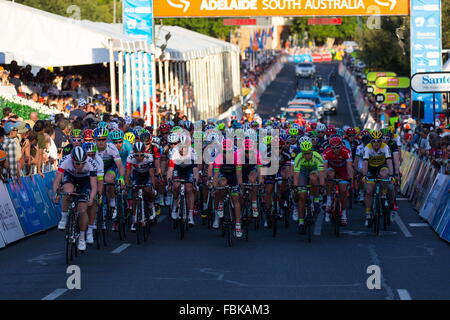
(267, 140)
(221, 126)
(116, 135)
(176, 129)
(101, 133)
(386, 132)
(313, 133)
(306, 146)
(76, 133)
(293, 132)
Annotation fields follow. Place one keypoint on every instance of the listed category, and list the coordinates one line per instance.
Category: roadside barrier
(428, 191)
(26, 207)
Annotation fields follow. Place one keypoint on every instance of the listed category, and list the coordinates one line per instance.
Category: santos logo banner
(233, 8)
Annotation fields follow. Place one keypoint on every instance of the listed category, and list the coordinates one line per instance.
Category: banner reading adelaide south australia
(247, 8)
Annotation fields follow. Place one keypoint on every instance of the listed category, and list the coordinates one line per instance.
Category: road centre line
(421, 224)
(121, 248)
(55, 294)
(402, 226)
(404, 294)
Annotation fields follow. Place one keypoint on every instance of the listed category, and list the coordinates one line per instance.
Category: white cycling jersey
(88, 170)
(140, 167)
(100, 166)
(109, 155)
(184, 161)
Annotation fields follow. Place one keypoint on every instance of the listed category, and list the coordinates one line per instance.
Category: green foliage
(21, 110)
(210, 26)
(93, 10)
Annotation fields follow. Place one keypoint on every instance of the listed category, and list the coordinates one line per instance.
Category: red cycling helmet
(309, 129)
(335, 142)
(331, 126)
(330, 131)
(364, 133)
(313, 125)
(164, 128)
(87, 135)
(351, 132)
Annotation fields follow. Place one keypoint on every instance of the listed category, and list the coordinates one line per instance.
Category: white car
(305, 69)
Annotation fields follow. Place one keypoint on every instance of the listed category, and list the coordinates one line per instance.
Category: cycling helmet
(87, 134)
(266, 123)
(313, 125)
(248, 144)
(113, 126)
(188, 125)
(171, 123)
(350, 132)
(313, 133)
(267, 140)
(366, 139)
(128, 120)
(345, 128)
(330, 131)
(332, 126)
(102, 124)
(392, 129)
(177, 129)
(156, 140)
(209, 127)
(293, 132)
(386, 132)
(101, 133)
(301, 131)
(145, 136)
(357, 129)
(116, 135)
(284, 135)
(76, 133)
(255, 123)
(90, 147)
(306, 146)
(227, 144)
(376, 134)
(79, 155)
(139, 147)
(303, 139)
(237, 125)
(365, 133)
(221, 126)
(173, 138)
(336, 141)
(137, 131)
(130, 137)
(340, 132)
(164, 128)
(211, 121)
(321, 127)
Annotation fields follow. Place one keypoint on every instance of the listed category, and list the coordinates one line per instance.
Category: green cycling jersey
(301, 164)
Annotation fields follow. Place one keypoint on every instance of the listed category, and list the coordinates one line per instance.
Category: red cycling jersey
(337, 160)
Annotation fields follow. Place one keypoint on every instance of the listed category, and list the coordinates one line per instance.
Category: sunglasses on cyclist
(117, 142)
(76, 140)
(76, 163)
(139, 155)
(103, 139)
(336, 148)
(376, 141)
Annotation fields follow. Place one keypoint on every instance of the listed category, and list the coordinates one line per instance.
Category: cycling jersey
(141, 167)
(376, 158)
(303, 165)
(337, 160)
(81, 176)
(220, 164)
(176, 159)
(127, 148)
(99, 167)
(109, 156)
(294, 150)
(360, 154)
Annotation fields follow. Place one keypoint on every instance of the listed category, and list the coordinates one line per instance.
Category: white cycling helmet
(303, 139)
(173, 138)
(321, 127)
(156, 140)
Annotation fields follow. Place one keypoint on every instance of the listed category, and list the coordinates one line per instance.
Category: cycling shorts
(82, 186)
(232, 182)
(186, 173)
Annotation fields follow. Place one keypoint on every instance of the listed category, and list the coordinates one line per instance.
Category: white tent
(36, 37)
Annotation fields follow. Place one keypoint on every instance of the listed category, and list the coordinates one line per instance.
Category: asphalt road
(414, 262)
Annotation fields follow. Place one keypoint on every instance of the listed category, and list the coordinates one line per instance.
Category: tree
(209, 26)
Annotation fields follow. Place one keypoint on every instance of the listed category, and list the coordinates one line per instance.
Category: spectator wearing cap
(12, 148)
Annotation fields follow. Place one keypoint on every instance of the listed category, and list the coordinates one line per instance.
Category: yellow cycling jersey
(377, 158)
(302, 165)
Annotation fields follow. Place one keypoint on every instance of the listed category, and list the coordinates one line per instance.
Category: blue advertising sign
(138, 19)
(303, 58)
(25, 208)
(426, 47)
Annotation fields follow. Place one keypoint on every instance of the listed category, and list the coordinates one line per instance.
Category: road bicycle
(336, 207)
(227, 221)
(309, 212)
(247, 212)
(182, 223)
(121, 206)
(142, 216)
(72, 231)
(380, 206)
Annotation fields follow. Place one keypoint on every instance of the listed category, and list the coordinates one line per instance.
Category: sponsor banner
(372, 76)
(442, 217)
(426, 48)
(437, 191)
(10, 228)
(445, 234)
(253, 8)
(26, 210)
(302, 58)
(2, 243)
(436, 82)
(46, 189)
(138, 19)
(392, 82)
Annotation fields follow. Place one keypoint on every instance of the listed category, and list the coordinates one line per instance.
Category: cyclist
(77, 173)
(338, 164)
(226, 173)
(76, 140)
(394, 148)
(140, 171)
(358, 165)
(91, 150)
(377, 164)
(308, 168)
(112, 164)
(182, 165)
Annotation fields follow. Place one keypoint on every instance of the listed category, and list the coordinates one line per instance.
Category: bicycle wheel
(337, 216)
(68, 238)
(309, 223)
(210, 213)
(376, 213)
(181, 220)
(274, 218)
(139, 236)
(228, 223)
(386, 215)
(120, 214)
(246, 221)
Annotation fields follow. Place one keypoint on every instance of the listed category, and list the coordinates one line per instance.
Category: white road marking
(402, 199)
(418, 224)
(55, 294)
(374, 259)
(348, 105)
(404, 294)
(121, 248)
(318, 225)
(402, 226)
